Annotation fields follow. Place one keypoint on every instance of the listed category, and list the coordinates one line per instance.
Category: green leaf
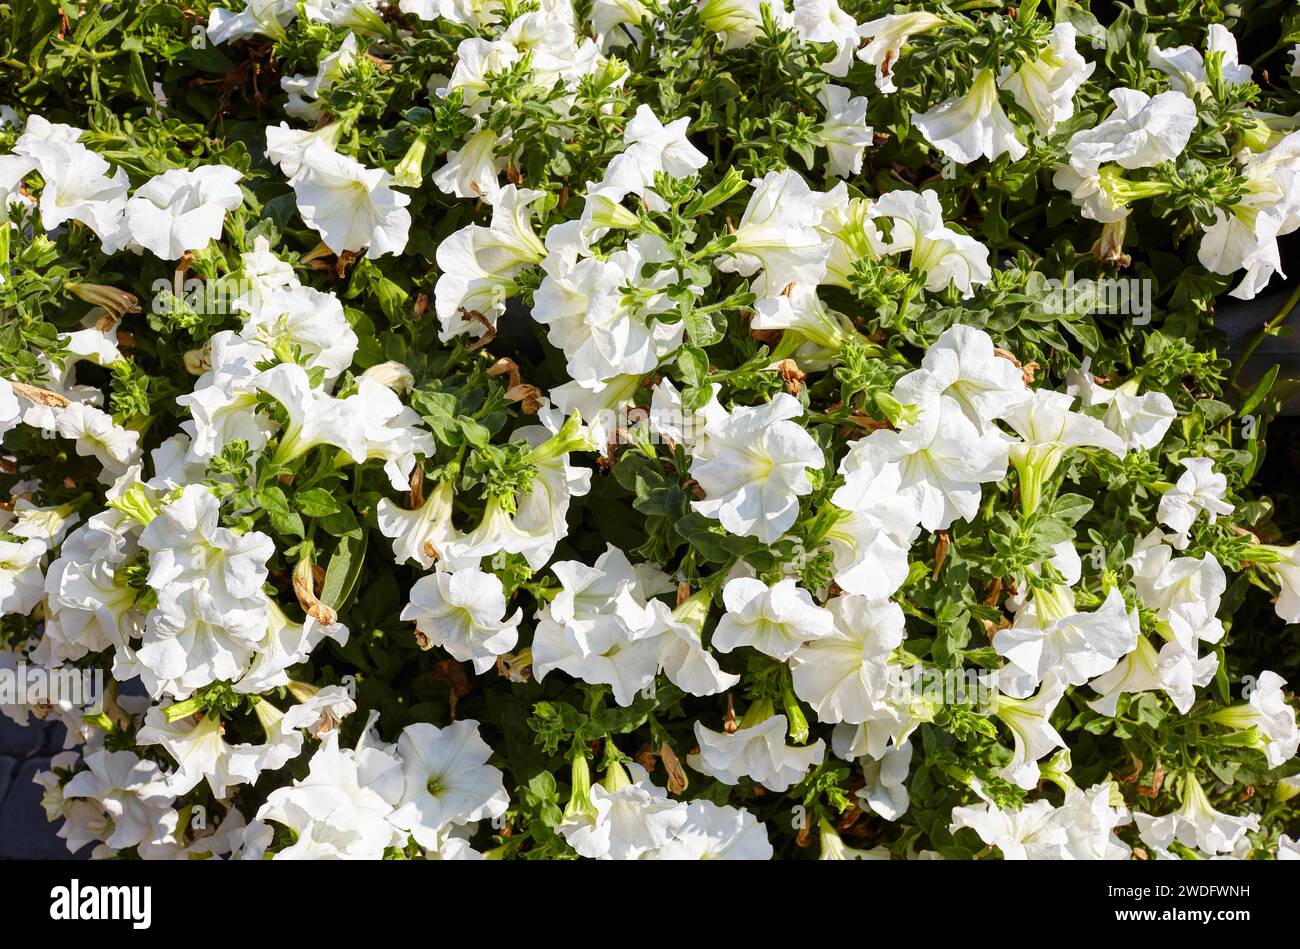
(1260, 392)
(343, 571)
(693, 364)
(316, 502)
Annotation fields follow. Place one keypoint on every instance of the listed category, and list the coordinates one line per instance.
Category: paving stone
(54, 733)
(8, 766)
(24, 831)
(21, 740)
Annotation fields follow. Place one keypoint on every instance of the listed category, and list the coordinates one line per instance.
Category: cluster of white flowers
(165, 586)
(174, 212)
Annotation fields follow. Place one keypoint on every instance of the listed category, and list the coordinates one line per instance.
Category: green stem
(1265, 331)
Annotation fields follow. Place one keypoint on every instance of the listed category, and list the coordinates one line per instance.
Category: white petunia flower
(1165, 582)
(1196, 824)
(1185, 66)
(623, 818)
(1267, 712)
(752, 467)
(464, 613)
(618, 22)
(200, 752)
(1051, 636)
(1049, 429)
(314, 417)
(39, 130)
(716, 832)
(1142, 131)
(22, 584)
(1045, 85)
(1028, 833)
(182, 210)
(967, 127)
(601, 312)
(1231, 244)
(331, 69)
(478, 264)
(549, 35)
(420, 534)
(1101, 194)
(1285, 568)
(541, 508)
(598, 628)
(885, 792)
(476, 59)
(756, 750)
(285, 146)
(607, 411)
(259, 17)
(1090, 818)
(737, 22)
(802, 312)
(284, 644)
(297, 316)
(11, 412)
(823, 21)
(78, 187)
(453, 844)
(964, 365)
(943, 255)
(114, 447)
(447, 779)
(683, 657)
(844, 676)
(224, 400)
(190, 643)
(132, 792)
(942, 460)
(95, 344)
(669, 420)
(778, 236)
(352, 207)
(189, 548)
(1031, 731)
(872, 536)
(474, 169)
(1174, 670)
(347, 14)
(1083, 828)
(652, 147)
(1141, 420)
(774, 620)
(605, 655)
(211, 614)
(342, 809)
(89, 605)
(886, 37)
(1199, 488)
(846, 222)
(389, 430)
(607, 594)
(844, 132)
(1244, 235)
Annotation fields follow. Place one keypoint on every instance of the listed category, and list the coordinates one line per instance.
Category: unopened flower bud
(394, 375)
(304, 585)
(409, 172)
(580, 788)
(798, 722)
(114, 301)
